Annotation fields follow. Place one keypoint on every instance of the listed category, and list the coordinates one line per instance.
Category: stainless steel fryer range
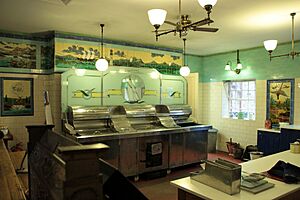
(142, 138)
(92, 120)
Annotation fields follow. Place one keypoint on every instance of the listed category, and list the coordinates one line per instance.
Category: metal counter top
(140, 133)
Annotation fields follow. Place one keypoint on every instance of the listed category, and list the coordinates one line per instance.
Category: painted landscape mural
(17, 55)
(280, 101)
(69, 53)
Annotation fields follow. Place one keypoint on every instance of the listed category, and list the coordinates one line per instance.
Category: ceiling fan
(184, 24)
(66, 1)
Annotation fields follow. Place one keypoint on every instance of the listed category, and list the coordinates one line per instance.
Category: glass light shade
(270, 45)
(239, 66)
(101, 64)
(157, 16)
(154, 75)
(184, 71)
(80, 72)
(227, 67)
(203, 3)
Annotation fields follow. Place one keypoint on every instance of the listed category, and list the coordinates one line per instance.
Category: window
(239, 100)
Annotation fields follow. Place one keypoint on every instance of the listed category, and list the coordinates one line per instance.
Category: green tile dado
(256, 65)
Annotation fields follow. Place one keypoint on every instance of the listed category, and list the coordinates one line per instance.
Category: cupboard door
(288, 136)
(268, 142)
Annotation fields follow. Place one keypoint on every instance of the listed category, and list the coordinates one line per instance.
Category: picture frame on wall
(17, 96)
(280, 101)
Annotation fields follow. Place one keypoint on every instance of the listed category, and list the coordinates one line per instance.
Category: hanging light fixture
(270, 45)
(184, 70)
(157, 18)
(239, 65)
(101, 64)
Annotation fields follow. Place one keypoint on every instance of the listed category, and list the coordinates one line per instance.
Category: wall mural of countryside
(68, 55)
(17, 55)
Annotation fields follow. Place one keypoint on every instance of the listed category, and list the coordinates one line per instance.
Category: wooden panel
(10, 187)
(128, 157)
(183, 195)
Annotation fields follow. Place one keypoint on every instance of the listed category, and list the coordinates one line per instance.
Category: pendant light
(184, 70)
(270, 45)
(101, 64)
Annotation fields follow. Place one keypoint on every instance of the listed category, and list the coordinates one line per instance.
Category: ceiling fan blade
(66, 1)
(166, 32)
(200, 23)
(206, 29)
(162, 30)
(171, 23)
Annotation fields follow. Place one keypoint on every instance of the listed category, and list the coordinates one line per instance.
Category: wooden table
(189, 189)
(10, 187)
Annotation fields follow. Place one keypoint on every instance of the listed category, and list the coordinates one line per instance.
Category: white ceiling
(242, 23)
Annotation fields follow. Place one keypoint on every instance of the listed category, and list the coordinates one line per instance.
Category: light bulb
(239, 66)
(154, 75)
(184, 71)
(227, 67)
(80, 72)
(101, 64)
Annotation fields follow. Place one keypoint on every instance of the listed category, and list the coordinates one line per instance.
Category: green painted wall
(256, 65)
(195, 63)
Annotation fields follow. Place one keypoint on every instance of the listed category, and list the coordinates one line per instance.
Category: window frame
(231, 96)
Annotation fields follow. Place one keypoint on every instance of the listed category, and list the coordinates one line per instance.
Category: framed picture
(16, 96)
(280, 101)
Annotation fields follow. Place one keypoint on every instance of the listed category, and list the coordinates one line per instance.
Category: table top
(294, 127)
(269, 130)
(259, 165)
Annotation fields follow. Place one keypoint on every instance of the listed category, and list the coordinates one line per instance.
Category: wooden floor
(160, 188)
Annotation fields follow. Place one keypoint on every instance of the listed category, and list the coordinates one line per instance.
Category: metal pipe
(102, 25)
(184, 39)
(102, 88)
(293, 35)
(179, 8)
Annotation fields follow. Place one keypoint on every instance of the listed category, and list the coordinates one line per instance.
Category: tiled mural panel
(83, 54)
(25, 55)
(297, 102)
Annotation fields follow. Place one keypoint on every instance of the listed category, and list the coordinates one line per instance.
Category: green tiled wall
(256, 65)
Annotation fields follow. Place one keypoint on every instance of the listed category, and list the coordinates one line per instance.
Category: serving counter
(270, 141)
(142, 138)
(189, 189)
